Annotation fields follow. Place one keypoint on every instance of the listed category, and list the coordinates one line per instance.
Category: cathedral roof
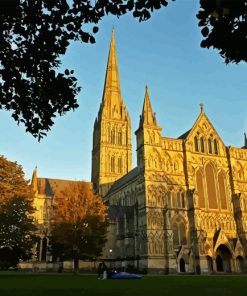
(184, 135)
(124, 180)
(202, 118)
(51, 187)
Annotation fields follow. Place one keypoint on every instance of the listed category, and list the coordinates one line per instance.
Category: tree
(33, 36)
(12, 182)
(16, 223)
(80, 224)
(17, 230)
(224, 25)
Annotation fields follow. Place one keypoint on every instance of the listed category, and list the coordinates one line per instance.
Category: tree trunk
(76, 266)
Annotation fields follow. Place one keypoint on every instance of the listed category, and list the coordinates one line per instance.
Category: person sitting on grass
(101, 268)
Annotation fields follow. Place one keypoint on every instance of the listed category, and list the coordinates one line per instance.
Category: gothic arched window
(112, 164)
(202, 144)
(119, 138)
(182, 200)
(178, 200)
(174, 200)
(120, 165)
(112, 136)
(222, 189)
(182, 234)
(211, 188)
(210, 146)
(196, 144)
(215, 147)
(200, 189)
(179, 233)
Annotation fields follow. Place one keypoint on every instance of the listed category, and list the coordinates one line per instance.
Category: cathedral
(182, 209)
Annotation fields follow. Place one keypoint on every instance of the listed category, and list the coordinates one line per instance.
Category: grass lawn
(14, 283)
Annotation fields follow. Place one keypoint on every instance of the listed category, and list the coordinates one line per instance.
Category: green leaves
(16, 222)
(42, 31)
(205, 31)
(83, 241)
(16, 231)
(225, 23)
(12, 182)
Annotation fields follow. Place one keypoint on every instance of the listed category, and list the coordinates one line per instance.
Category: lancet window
(178, 200)
(202, 144)
(120, 165)
(196, 144)
(211, 187)
(112, 136)
(182, 200)
(119, 138)
(222, 190)
(179, 233)
(200, 189)
(112, 164)
(210, 150)
(216, 147)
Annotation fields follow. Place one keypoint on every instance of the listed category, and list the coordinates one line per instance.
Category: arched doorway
(240, 264)
(223, 259)
(182, 265)
(219, 264)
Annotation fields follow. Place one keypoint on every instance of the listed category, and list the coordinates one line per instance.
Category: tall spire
(112, 83)
(147, 117)
(35, 181)
(111, 154)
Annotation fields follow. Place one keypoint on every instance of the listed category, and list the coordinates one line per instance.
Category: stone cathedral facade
(183, 208)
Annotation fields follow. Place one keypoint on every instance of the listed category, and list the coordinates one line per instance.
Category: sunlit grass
(15, 283)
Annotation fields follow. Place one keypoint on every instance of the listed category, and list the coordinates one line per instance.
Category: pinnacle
(148, 116)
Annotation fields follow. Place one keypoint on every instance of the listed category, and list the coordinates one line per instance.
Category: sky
(163, 53)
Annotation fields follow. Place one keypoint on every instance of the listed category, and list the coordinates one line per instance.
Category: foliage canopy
(224, 25)
(80, 224)
(17, 231)
(16, 222)
(34, 34)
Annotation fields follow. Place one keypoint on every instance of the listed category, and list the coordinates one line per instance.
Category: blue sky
(163, 53)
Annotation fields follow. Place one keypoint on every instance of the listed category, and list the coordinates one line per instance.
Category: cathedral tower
(112, 151)
(148, 134)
